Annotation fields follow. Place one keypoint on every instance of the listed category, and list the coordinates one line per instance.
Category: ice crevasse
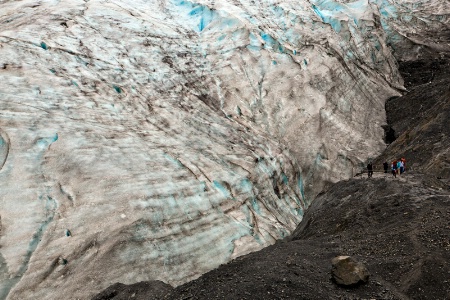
(146, 140)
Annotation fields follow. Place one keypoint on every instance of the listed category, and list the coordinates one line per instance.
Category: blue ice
(254, 44)
(222, 189)
(47, 141)
(327, 17)
(255, 206)
(360, 5)
(386, 8)
(301, 186)
(278, 11)
(292, 36)
(222, 37)
(117, 89)
(3, 151)
(201, 15)
(246, 186)
(331, 11)
(270, 42)
(173, 160)
(285, 179)
(328, 5)
(279, 15)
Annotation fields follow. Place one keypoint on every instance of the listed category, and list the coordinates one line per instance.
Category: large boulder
(347, 271)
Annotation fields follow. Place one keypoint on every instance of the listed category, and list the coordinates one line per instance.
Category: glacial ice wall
(148, 140)
(415, 29)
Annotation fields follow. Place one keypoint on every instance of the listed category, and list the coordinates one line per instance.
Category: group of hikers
(398, 166)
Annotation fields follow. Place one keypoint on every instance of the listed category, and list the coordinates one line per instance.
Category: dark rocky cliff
(419, 119)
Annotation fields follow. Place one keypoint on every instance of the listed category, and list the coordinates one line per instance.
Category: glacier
(144, 140)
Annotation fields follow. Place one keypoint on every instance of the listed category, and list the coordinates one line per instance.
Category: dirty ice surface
(148, 140)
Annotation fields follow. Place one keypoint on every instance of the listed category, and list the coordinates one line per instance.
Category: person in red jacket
(394, 168)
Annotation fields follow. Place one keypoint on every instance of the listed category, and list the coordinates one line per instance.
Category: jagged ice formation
(148, 140)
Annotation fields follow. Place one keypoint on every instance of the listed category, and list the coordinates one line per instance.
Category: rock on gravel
(347, 271)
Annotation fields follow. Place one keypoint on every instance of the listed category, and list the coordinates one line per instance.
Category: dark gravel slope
(397, 227)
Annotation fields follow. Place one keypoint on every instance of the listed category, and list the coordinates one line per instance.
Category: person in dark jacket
(394, 168)
(370, 170)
